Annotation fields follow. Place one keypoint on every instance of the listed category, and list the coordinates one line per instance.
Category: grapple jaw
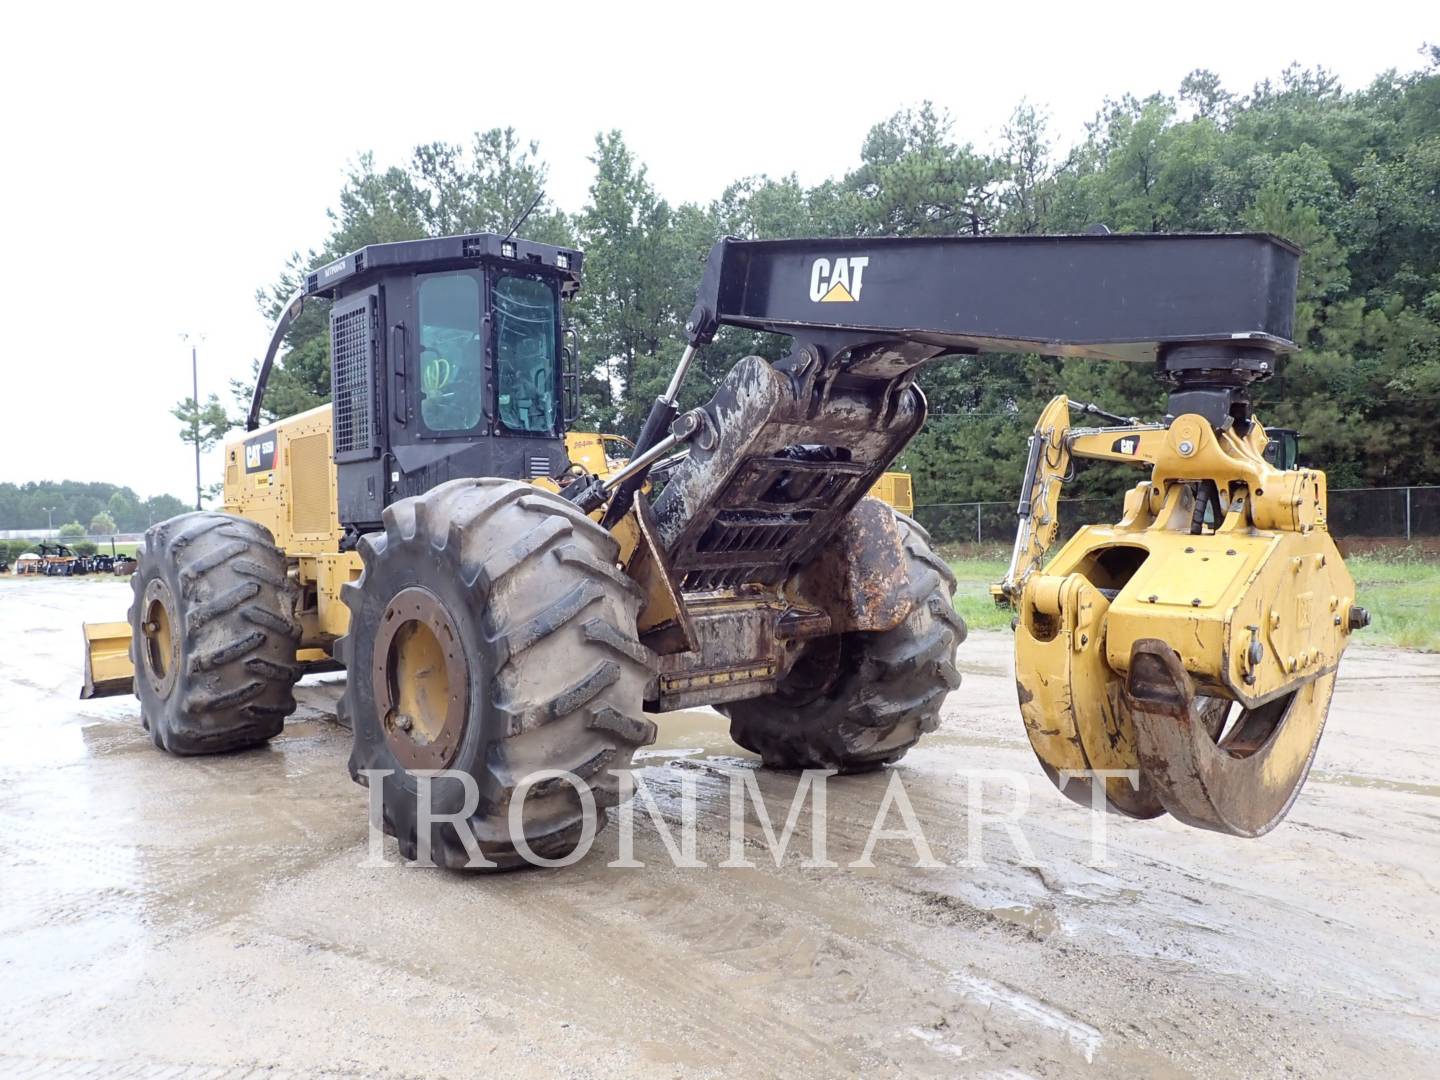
(1184, 657)
(1239, 780)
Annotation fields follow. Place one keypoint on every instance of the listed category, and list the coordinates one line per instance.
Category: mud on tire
(545, 670)
(858, 701)
(212, 634)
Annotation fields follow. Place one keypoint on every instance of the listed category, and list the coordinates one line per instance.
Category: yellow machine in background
(896, 489)
(1192, 646)
(598, 454)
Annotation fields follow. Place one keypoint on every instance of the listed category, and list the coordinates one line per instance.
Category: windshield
(525, 353)
(450, 367)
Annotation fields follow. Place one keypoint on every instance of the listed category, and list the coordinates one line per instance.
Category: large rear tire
(492, 634)
(212, 634)
(857, 701)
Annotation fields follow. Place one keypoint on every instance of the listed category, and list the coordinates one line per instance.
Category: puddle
(1041, 922)
(1358, 781)
(969, 668)
(994, 742)
(692, 731)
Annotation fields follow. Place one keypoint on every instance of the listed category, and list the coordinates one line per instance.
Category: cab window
(525, 353)
(451, 371)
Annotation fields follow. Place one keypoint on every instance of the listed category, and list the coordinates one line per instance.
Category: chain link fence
(1389, 513)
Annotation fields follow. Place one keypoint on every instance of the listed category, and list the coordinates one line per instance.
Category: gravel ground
(210, 917)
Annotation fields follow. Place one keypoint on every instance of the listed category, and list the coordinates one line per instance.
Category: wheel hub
(421, 680)
(159, 639)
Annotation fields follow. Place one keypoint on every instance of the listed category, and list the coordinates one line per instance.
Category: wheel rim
(160, 644)
(421, 680)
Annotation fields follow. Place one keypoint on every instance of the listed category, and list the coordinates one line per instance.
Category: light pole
(195, 414)
(49, 517)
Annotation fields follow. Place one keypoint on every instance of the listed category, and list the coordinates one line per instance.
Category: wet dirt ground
(161, 916)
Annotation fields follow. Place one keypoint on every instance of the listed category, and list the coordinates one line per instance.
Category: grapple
(1185, 656)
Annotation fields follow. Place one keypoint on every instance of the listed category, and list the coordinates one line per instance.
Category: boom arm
(1053, 448)
(1121, 297)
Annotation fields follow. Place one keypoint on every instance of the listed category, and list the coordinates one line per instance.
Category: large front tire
(857, 701)
(213, 634)
(493, 635)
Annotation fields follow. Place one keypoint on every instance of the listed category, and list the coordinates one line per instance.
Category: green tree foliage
(71, 529)
(22, 506)
(642, 260)
(102, 524)
(202, 425)
(1353, 176)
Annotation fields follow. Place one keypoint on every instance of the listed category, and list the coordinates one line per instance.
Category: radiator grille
(350, 364)
(310, 498)
(232, 472)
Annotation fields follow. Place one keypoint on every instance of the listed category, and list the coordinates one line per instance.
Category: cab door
(525, 363)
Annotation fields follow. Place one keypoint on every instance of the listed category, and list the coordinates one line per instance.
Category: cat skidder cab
(496, 623)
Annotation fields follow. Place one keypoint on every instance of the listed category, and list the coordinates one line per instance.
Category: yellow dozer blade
(108, 670)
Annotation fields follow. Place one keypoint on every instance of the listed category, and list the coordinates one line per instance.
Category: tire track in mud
(595, 942)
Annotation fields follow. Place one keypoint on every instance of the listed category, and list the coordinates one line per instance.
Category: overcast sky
(160, 164)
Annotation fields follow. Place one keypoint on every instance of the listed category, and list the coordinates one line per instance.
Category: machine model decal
(260, 454)
(839, 282)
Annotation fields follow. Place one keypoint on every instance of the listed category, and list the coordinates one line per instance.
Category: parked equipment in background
(58, 560)
(497, 623)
